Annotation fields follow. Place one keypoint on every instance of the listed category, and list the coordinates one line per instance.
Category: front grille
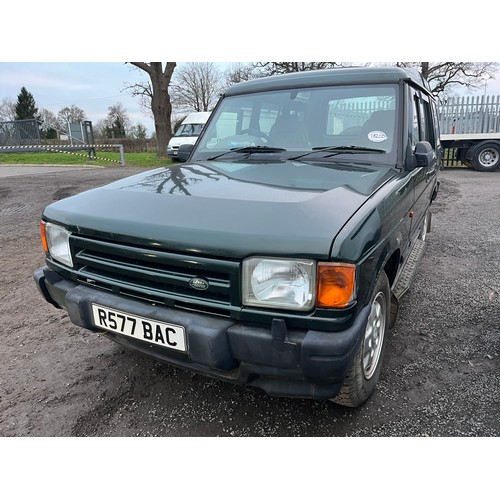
(157, 276)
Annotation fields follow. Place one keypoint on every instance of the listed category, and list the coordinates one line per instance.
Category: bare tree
(48, 118)
(443, 77)
(156, 93)
(70, 114)
(241, 72)
(278, 68)
(7, 110)
(49, 125)
(143, 91)
(196, 86)
(99, 129)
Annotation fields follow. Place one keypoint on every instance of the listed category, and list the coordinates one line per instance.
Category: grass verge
(104, 159)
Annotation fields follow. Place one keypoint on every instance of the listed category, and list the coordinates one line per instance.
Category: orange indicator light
(43, 234)
(336, 285)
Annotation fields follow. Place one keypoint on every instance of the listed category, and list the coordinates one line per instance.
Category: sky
(91, 86)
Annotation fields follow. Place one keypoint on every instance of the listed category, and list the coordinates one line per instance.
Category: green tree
(26, 106)
(116, 129)
(50, 133)
(139, 131)
(117, 122)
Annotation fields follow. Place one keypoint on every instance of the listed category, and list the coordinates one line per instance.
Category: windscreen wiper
(249, 150)
(338, 150)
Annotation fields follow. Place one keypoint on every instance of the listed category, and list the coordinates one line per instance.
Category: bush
(132, 145)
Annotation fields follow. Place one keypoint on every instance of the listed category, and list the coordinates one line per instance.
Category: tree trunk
(425, 70)
(161, 106)
(162, 109)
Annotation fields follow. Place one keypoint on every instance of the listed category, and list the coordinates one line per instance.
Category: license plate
(137, 327)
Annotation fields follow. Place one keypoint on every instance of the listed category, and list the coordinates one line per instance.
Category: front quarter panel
(376, 231)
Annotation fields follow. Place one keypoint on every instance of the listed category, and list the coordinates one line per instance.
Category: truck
(470, 131)
(188, 132)
(277, 254)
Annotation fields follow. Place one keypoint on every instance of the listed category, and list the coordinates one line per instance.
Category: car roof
(325, 77)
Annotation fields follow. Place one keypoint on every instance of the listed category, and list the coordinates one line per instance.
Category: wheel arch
(387, 259)
(392, 265)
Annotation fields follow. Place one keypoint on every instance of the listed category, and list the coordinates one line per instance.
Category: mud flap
(394, 311)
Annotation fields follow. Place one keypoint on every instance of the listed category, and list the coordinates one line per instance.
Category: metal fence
(346, 114)
(19, 133)
(469, 115)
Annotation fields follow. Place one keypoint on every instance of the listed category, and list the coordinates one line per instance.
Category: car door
(425, 178)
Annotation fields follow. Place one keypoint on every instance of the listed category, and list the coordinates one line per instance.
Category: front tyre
(365, 370)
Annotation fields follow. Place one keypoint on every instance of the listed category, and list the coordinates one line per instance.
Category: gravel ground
(441, 375)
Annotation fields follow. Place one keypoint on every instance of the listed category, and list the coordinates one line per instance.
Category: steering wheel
(243, 139)
(256, 133)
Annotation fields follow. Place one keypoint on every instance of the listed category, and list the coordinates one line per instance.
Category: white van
(188, 132)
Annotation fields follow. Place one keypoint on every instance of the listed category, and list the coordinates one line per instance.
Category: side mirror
(184, 152)
(424, 154)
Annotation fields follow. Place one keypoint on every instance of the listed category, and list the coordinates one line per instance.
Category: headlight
(281, 284)
(56, 241)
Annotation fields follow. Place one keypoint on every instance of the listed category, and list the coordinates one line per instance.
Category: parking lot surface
(441, 375)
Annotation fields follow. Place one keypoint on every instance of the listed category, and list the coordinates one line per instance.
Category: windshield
(359, 120)
(189, 130)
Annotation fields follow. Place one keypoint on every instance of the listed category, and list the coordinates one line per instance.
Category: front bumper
(172, 153)
(282, 362)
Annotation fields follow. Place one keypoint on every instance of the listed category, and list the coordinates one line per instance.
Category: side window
(422, 124)
(435, 121)
(415, 128)
(427, 123)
